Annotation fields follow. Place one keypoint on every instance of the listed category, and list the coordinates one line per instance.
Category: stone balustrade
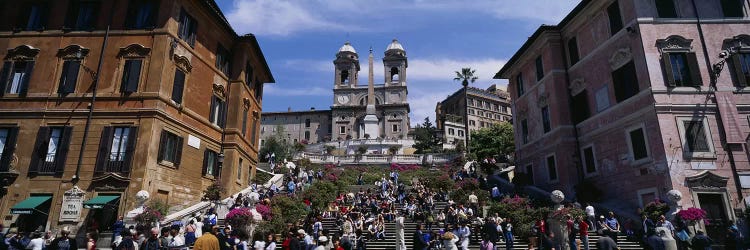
(377, 158)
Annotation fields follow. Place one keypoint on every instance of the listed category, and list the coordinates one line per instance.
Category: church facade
(350, 117)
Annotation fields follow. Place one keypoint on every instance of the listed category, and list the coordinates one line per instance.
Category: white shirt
(198, 229)
(589, 210)
(177, 241)
(36, 244)
(259, 245)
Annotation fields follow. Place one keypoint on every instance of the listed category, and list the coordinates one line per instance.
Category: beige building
(310, 126)
(486, 107)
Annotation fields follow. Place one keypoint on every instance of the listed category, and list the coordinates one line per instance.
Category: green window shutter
(695, 73)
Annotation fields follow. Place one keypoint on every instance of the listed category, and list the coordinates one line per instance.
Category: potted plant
(692, 216)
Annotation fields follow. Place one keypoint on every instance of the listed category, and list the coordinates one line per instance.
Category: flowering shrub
(213, 192)
(240, 217)
(692, 215)
(468, 184)
(561, 213)
(404, 167)
(264, 211)
(655, 209)
(148, 217)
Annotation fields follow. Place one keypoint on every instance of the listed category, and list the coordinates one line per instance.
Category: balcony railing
(377, 158)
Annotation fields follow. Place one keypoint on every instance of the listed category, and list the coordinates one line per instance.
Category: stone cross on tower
(371, 119)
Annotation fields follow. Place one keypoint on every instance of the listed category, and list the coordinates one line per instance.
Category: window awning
(99, 201)
(29, 205)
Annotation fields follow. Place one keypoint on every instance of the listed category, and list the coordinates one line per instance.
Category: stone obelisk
(371, 119)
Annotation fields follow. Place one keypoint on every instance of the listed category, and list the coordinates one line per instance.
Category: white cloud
(284, 17)
(444, 69)
(272, 90)
(277, 18)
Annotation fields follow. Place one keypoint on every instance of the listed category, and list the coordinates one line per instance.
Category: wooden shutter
(205, 162)
(741, 78)
(179, 82)
(130, 76)
(40, 149)
(26, 77)
(215, 164)
(182, 29)
(69, 77)
(668, 73)
(105, 146)
(130, 149)
(22, 17)
(10, 147)
(223, 114)
(695, 73)
(62, 151)
(212, 111)
(162, 146)
(178, 152)
(5, 76)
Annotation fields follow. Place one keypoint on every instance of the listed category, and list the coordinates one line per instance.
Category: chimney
(289, 109)
(312, 108)
(492, 88)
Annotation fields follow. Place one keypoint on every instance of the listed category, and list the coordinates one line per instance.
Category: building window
(471, 112)
(15, 76)
(732, 8)
(131, 74)
(50, 150)
(638, 146)
(519, 84)
(573, 51)
(307, 136)
(589, 160)
(615, 19)
(342, 130)
(580, 104)
(239, 170)
(481, 124)
(82, 15)
(471, 102)
(34, 16)
(170, 148)
(249, 75)
(179, 84)
(210, 163)
(222, 60)
(460, 133)
(116, 149)
(142, 14)
(307, 123)
(681, 69)
(69, 76)
(741, 63)
(625, 82)
(472, 123)
(217, 115)
(539, 68)
(451, 131)
(546, 123)
(696, 137)
(665, 9)
(481, 113)
(524, 131)
(394, 127)
(258, 92)
(8, 136)
(530, 173)
(552, 168)
(188, 28)
(253, 133)
(244, 122)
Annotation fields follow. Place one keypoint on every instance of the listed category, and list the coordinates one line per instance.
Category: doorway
(716, 215)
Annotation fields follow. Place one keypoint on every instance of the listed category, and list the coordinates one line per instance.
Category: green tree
(466, 76)
(494, 141)
(425, 140)
(278, 145)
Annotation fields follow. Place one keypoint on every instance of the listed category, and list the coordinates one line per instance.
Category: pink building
(637, 98)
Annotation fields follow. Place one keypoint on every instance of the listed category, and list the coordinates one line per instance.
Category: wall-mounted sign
(72, 204)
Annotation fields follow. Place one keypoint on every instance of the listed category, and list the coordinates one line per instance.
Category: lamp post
(220, 161)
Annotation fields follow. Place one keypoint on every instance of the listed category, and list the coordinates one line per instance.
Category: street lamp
(221, 164)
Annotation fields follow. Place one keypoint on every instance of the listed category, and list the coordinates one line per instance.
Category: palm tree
(466, 76)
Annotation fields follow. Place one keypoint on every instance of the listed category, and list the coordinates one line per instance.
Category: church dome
(395, 45)
(347, 48)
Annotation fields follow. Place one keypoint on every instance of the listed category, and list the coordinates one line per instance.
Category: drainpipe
(95, 84)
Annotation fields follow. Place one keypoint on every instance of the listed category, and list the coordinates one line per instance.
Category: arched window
(394, 74)
(344, 76)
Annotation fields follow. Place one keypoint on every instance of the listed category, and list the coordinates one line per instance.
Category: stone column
(560, 228)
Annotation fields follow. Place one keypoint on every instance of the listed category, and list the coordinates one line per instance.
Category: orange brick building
(176, 87)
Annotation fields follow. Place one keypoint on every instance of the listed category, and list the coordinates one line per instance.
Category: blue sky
(300, 39)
